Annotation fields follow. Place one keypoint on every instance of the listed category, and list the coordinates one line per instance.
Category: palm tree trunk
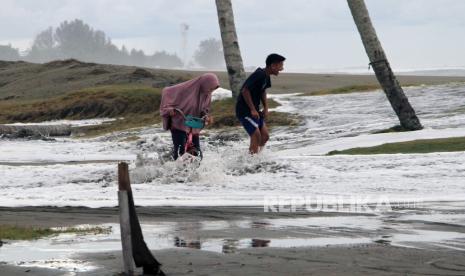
(378, 60)
(232, 53)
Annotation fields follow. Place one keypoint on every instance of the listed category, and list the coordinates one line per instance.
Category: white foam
(221, 93)
(75, 123)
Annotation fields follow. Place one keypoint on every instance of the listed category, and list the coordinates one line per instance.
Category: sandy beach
(376, 257)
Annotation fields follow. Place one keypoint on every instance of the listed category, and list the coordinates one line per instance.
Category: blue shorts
(251, 124)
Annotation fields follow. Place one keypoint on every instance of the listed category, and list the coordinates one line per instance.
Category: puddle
(228, 237)
(228, 246)
(349, 222)
(62, 252)
(69, 265)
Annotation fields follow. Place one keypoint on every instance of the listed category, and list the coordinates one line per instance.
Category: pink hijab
(192, 97)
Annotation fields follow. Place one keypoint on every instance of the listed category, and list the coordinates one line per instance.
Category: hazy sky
(312, 34)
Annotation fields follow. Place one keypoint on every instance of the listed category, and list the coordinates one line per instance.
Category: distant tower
(184, 29)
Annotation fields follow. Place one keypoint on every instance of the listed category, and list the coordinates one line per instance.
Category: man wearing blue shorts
(253, 92)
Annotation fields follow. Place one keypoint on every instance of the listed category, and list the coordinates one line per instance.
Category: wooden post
(124, 187)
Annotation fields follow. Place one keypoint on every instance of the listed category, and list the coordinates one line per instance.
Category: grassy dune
(22, 81)
(102, 101)
(416, 146)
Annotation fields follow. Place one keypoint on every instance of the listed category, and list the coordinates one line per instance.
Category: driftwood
(23, 131)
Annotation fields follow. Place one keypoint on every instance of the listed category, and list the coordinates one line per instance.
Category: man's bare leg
(255, 141)
(265, 136)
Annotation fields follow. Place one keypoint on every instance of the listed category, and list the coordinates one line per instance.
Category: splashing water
(222, 162)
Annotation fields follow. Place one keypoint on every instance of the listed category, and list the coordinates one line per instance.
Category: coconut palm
(378, 60)
(232, 53)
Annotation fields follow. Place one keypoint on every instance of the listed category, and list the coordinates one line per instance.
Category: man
(253, 92)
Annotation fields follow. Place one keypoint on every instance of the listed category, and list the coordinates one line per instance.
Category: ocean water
(82, 172)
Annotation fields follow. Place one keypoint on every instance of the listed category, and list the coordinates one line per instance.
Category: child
(192, 97)
(252, 93)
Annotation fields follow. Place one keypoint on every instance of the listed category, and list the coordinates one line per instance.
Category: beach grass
(417, 146)
(9, 232)
(96, 102)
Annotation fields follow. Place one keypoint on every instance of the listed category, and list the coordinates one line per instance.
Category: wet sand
(49, 216)
(375, 258)
(353, 260)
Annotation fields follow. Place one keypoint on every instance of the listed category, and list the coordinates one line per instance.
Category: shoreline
(51, 216)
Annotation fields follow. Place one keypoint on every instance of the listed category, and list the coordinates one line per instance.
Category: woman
(192, 97)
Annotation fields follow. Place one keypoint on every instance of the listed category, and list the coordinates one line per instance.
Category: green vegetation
(343, 90)
(8, 232)
(416, 146)
(79, 40)
(96, 102)
(133, 105)
(22, 81)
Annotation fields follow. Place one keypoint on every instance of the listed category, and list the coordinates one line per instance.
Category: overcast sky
(312, 34)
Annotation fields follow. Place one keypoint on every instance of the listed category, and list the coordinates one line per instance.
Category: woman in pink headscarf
(192, 97)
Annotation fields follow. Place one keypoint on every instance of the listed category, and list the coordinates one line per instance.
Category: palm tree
(232, 53)
(378, 60)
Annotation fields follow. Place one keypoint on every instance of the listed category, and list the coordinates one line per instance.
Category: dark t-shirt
(257, 83)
